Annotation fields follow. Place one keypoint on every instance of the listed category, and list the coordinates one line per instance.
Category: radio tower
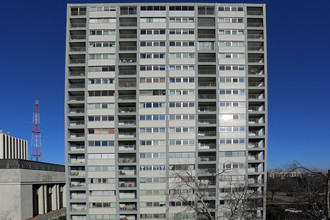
(36, 134)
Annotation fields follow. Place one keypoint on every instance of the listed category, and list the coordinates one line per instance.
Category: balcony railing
(127, 48)
(76, 86)
(207, 96)
(77, 173)
(255, 36)
(127, 196)
(128, 208)
(256, 48)
(127, 122)
(127, 84)
(255, 170)
(206, 158)
(77, 161)
(206, 133)
(255, 145)
(256, 84)
(203, 171)
(76, 98)
(76, 123)
(126, 160)
(206, 71)
(254, 13)
(77, 185)
(206, 35)
(256, 96)
(207, 121)
(207, 59)
(127, 72)
(256, 60)
(78, 209)
(206, 23)
(75, 25)
(256, 121)
(255, 157)
(127, 60)
(207, 84)
(76, 111)
(206, 146)
(127, 97)
(256, 133)
(127, 147)
(77, 37)
(77, 61)
(126, 109)
(79, 196)
(207, 108)
(127, 35)
(127, 172)
(74, 73)
(255, 24)
(127, 24)
(127, 184)
(77, 135)
(77, 148)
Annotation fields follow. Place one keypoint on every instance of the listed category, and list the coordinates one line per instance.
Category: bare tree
(313, 188)
(239, 201)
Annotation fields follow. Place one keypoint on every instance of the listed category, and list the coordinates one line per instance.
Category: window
(182, 8)
(231, 80)
(102, 44)
(232, 129)
(181, 43)
(232, 141)
(181, 104)
(101, 81)
(152, 80)
(152, 142)
(101, 106)
(152, 20)
(152, 55)
(101, 130)
(231, 32)
(231, 44)
(105, 56)
(101, 118)
(152, 130)
(181, 31)
(152, 117)
(231, 116)
(231, 56)
(102, 20)
(231, 68)
(231, 20)
(101, 156)
(101, 68)
(181, 129)
(182, 20)
(102, 8)
(152, 31)
(152, 43)
(181, 55)
(181, 80)
(153, 8)
(232, 8)
(232, 92)
(182, 92)
(102, 143)
(182, 142)
(102, 32)
(152, 105)
(181, 117)
(101, 93)
(152, 68)
(232, 153)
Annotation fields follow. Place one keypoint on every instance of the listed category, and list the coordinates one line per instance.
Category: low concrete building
(12, 147)
(30, 188)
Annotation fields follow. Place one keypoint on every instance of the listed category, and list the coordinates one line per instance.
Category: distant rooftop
(30, 165)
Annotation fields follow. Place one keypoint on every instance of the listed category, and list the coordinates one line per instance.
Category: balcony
(127, 183)
(127, 217)
(78, 11)
(256, 70)
(127, 22)
(259, 84)
(127, 70)
(127, 207)
(207, 82)
(127, 83)
(254, 11)
(256, 58)
(127, 134)
(126, 160)
(127, 172)
(76, 98)
(206, 108)
(77, 160)
(205, 33)
(206, 133)
(76, 85)
(78, 195)
(252, 157)
(255, 35)
(127, 95)
(77, 148)
(256, 46)
(206, 171)
(257, 108)
(78, 24)
(255, 22)
(77, 173)
(206, 22)
(76, 135)
(78, 35)
(127, 147)
(128, 109)
(207, 96)
(206, 69)
(254, 120)
(207, 119)
(124, 34)
(256, 96)
(78, 208)
(206, 145)
(76, 111)
(256, 143)
(206, 158)
(76, 123)
(206, 57)
(77, 184)
(127, 194)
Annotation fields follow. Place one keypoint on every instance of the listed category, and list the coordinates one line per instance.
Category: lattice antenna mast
(36, 134)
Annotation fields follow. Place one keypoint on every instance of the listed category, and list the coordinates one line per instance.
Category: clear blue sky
(32, 67)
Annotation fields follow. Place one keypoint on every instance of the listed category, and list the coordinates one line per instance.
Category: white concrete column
(45, 198)
(40, 192)
(57, 196)
(54, 198)
(64, 196)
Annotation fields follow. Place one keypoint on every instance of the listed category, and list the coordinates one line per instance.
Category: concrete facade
(156, 87)
(13, 148)
(29, 188)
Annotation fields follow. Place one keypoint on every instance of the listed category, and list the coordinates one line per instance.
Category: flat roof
(30, 165)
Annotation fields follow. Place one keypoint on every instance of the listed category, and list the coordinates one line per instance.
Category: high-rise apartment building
(155, 89)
